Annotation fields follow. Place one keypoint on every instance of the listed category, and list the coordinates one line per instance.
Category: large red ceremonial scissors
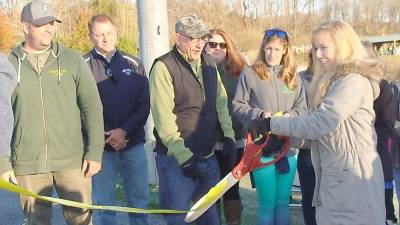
(251, 160)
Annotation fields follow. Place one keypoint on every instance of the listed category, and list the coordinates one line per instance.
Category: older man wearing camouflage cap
(189, 104)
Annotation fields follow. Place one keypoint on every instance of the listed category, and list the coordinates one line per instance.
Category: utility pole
(153, 29)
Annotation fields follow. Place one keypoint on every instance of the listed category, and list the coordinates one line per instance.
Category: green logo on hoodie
(54, 73)
(285, 89)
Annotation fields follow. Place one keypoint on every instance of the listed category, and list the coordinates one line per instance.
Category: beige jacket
(349, 179)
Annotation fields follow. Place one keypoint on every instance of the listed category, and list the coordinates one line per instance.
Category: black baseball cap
(38, 12)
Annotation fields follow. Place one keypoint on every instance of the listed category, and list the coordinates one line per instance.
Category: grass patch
(153, 202)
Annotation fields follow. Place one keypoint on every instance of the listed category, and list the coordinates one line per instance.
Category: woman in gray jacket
(349, 179)
(8, 81)
(269, 86)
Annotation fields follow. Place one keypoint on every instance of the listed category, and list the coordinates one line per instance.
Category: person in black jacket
(385, 111)
(305, 168)
(124, 92)
(395, 148)
(384, 125)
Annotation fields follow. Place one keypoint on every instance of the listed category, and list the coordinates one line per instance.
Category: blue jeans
(178, 191)
(131, 165)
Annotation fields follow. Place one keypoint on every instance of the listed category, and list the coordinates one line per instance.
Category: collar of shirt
(38, 52)
(38, 59)
(105, 56)
(275, 70)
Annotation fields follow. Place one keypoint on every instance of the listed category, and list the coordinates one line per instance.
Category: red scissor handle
(252, 154)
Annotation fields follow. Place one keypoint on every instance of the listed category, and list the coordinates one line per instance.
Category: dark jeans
(177, 191)
(307, 184)
(390, 212)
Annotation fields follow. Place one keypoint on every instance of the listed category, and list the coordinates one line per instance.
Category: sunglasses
(276, 32)
(213, 44)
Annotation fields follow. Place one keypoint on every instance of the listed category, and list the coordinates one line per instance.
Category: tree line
(244, 20)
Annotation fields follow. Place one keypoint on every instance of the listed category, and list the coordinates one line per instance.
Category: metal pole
(153, 28)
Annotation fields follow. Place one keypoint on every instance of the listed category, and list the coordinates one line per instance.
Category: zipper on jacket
(276, 88)
(44, 121)
(43, 110)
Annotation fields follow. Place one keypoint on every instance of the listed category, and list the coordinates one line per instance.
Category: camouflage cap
(191, 25)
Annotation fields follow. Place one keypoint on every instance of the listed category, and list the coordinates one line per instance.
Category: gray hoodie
(254, 96)
(8, 81)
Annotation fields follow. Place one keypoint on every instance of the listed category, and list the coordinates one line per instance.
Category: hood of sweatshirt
(56, 49)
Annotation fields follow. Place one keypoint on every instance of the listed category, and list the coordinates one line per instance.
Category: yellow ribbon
(211, 195)
(14, 188)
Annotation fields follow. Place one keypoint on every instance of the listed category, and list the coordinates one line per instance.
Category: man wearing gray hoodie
(8, 82)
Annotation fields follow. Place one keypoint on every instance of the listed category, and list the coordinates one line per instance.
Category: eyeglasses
(203, 39)
(221, 45)
(276, 32)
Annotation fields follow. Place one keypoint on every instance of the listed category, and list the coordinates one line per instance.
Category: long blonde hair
(288, 73)
(349, 53)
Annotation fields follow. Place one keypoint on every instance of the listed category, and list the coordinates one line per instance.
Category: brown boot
(232, 210)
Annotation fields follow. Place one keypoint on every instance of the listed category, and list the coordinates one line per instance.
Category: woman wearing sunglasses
(229, 63)
(269, 86)
(349, 178)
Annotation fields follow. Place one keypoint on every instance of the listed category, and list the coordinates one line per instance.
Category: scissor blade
(211, 197)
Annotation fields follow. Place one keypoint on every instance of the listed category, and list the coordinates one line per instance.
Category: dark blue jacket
(385, 117)
(124, 92)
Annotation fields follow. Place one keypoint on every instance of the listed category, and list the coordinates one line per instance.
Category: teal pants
(273, 191)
